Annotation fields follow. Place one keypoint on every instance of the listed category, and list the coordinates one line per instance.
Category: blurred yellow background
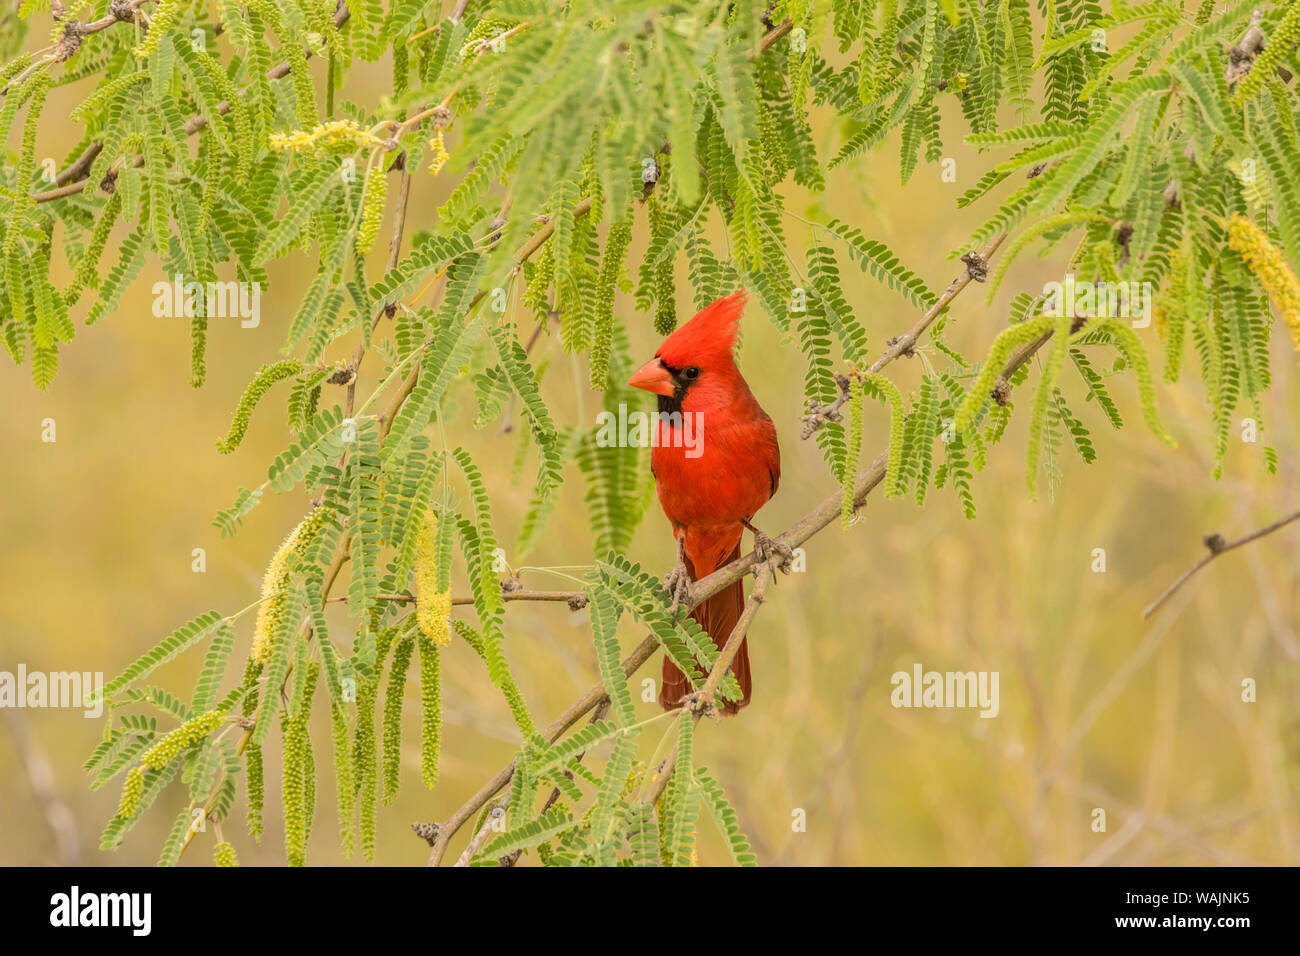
(1098, 708)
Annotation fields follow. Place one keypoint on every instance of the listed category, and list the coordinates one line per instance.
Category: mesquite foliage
(570, 133)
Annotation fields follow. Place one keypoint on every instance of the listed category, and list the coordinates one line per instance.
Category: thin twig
(738, 632)
(576, 711)
(534, 243)
(576, 600)
(192, 125)
(1216, 546)
(598, 714)
(701, 702)
(976, 271)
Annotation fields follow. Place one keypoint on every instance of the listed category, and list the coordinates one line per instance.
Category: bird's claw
(766, 548)
(677, 583)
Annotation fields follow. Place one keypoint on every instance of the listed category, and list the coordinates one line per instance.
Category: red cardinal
(716, 463)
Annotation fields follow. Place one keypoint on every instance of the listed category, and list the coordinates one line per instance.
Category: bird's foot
(770, 551)
(700, 706)
(677, 583)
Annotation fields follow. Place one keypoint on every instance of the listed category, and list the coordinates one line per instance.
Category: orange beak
(653, 377)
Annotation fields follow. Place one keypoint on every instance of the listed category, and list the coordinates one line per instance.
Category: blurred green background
(1098, 708)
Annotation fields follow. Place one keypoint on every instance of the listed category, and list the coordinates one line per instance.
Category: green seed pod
(309, 788)
(611, 267)
(303, 88)
(132, 790)
(253, 752)
(18, 65)
(770, 140)
(164, 15)
(208, 153)
(541, 275)
(486, 28)
(665, 289)
(514, 698)
(853, 448)
(292, 792)
(255, 772)
(35, 90)
(198, 349)
(87, 266)
(393, 701)
(347, 785)
(430, 712)
(298, 785)
(224, 854)
(401, 69)
(172, 743)
(372, 206)
(266, 376)
(365, 749)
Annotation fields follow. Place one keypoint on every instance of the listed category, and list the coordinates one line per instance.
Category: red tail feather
(718, 615)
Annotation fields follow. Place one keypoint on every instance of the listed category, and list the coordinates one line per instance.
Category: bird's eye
(692, 372)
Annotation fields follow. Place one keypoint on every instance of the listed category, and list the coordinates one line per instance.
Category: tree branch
(576, 600)
(77, 182)
(701, 702)
(576, 711)
(597, 714)
(976, 271)
(1217, 546)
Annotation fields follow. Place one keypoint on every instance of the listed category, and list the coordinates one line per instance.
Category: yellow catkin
(275, 585)
(1270, 267)
(372, 207)
(1162, 319)
(337, 136)
(432, 606)
(440, 154)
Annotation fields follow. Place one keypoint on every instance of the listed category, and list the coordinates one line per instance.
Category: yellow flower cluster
(1270, 267)
(440, 154)
(275, 584)
(372, 207)
(432, 607)
(336, 136)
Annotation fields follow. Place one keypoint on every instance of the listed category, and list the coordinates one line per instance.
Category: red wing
(770, 450)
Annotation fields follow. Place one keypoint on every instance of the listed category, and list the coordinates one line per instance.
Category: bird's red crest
(711, 334)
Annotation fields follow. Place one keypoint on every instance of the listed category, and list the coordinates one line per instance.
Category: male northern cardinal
(711, 491)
